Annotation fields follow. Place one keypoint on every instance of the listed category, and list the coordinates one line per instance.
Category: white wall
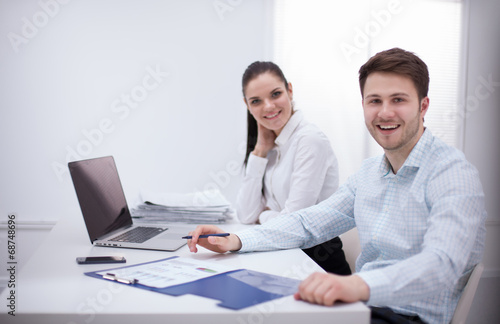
(482, 114)
(66, 70)
(481, 142)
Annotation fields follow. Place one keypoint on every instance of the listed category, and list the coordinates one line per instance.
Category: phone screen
(100, 259)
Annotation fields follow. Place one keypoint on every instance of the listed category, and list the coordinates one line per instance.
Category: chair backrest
(351, 247)
(465, 301)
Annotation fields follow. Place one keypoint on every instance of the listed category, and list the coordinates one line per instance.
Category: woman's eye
(255, 101)
(276, 94)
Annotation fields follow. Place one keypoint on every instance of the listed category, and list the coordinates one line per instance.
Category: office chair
(465, 301)
(351, 247)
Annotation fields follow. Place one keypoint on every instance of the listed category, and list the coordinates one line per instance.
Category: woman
(289, 163)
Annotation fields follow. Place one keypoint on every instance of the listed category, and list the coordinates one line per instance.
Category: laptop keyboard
(138, 234)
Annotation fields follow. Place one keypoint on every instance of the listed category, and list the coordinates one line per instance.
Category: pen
(111, 276)
(206, 235)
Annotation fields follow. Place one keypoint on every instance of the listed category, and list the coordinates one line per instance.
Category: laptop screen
(100, 195)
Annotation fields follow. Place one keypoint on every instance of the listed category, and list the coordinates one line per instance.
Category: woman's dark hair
(254, 70)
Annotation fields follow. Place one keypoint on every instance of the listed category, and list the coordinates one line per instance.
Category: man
(419, 210)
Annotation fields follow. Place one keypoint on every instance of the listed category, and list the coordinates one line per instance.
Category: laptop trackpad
(170, 236)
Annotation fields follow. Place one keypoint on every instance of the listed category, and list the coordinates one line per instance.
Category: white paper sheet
(169, 272)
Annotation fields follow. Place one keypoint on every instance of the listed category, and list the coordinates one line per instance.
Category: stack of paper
(199, 207)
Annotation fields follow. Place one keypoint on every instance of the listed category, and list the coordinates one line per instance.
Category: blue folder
(235, 289)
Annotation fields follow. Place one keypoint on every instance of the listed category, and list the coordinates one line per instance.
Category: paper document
(170, 272)
(177, 276)
(208, 198)
(198, 207)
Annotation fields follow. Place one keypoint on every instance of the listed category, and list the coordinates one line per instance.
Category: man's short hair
(399, 61)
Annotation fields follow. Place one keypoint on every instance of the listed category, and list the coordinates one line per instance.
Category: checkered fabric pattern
(421, 230)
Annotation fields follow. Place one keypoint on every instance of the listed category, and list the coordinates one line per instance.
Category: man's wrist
(362, 288)
(236, 242)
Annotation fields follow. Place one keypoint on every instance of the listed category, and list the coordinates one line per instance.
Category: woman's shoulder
(311, 140)
(310, 133)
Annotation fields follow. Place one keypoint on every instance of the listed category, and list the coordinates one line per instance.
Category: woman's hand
(327, 288)
(220, 244)
(265, 141)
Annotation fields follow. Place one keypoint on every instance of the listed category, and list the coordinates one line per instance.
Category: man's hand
(213, 243)
(327, 288)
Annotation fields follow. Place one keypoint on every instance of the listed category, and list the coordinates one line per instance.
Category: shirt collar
(289, 128)
(415, 158)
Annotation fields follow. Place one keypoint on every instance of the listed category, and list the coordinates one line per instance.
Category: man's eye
(398, 100)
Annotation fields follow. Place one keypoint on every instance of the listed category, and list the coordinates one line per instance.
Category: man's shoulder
(447, 167)
(372, 162)
(443, 154)
(370, 167)
(446, 170)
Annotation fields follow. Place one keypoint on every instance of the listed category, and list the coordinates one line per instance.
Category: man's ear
(424, 106)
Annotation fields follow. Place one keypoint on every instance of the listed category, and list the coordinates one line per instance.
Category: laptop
(106, 213)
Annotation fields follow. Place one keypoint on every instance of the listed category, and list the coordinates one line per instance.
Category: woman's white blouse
(300, 171)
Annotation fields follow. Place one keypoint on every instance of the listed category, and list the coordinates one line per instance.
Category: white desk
(51, 288)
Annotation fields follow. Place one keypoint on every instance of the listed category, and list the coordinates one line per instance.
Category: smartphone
(100, 259)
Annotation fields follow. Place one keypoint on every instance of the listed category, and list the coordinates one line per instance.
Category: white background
(77, 58)
(63, 81)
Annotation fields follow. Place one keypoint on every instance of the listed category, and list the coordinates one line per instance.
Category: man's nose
(386, 111)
